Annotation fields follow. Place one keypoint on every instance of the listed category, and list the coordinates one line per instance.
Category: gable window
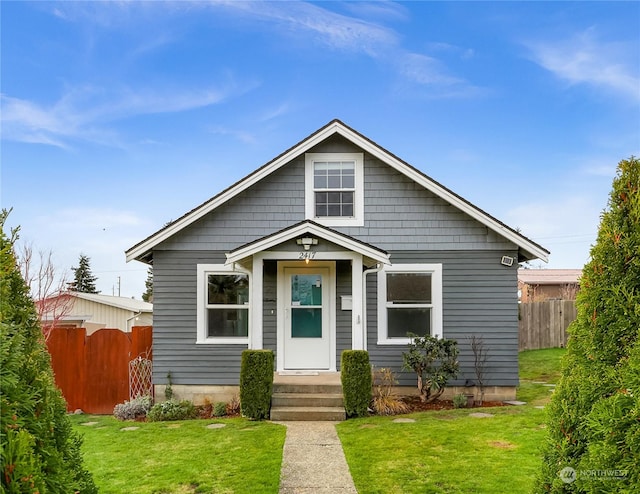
(223, 305)
(409, 301)
(334, 188)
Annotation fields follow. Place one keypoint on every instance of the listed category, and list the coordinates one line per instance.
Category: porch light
(307, 242)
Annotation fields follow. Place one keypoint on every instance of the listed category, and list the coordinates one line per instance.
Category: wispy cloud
(335, 30)
(352, 34)
(241, 135)
(83, 113)
(586, 59)
(429, 72)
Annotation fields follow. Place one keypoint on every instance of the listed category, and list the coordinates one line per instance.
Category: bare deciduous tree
(480, 356)
(47, 287)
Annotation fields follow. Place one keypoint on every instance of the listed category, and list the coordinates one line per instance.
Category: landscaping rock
(88, 424)
(403, 421)
(130, 428)
(515, 402)
(216, 426)
(480, 415)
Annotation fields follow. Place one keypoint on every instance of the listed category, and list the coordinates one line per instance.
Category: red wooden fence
(93, 371)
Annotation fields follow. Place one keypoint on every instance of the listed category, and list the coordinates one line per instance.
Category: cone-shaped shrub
(39, 451)
(256, 383)
(594, 414)
(355, 374)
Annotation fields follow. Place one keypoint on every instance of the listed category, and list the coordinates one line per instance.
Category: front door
(307, 318)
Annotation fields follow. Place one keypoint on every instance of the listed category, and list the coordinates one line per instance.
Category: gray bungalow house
(335, 244)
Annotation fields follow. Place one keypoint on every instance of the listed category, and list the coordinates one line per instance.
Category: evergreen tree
(147, 296)
(83, 279)
(594, 414)
(39, 451)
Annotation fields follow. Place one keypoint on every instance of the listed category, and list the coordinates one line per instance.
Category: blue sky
(120, 116)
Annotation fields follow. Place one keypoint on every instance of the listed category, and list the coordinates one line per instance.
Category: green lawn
(182, 457)
(451, 452)
(441, 452)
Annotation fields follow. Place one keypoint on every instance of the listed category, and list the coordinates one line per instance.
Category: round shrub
(172, 410)
(219, 409)
(131, 410)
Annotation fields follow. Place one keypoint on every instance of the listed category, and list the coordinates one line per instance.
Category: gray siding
(479, 297)
(399, 215)
(270, 306)
(343, 317)
(174, 330)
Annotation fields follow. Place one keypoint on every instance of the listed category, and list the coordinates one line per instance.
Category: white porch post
(256, 339)
(357, 331)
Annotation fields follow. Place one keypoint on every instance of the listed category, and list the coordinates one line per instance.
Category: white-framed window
(334, 188)
(409, 301)
(223, 305)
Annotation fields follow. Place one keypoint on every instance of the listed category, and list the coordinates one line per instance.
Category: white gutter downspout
(364, 301)
(129, 329)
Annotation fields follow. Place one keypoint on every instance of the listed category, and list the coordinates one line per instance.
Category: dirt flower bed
(416, 405)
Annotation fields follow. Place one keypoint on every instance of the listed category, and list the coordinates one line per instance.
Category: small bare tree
(48, 289)
(480, 355)
(568, 291)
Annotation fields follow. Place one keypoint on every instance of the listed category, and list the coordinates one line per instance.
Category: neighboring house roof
(308, 227)
(549, 276)
(119, 302)
(528, 249)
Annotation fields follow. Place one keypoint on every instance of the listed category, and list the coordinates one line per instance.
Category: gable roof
(549, 276)
(529, 250)
(125, 303)
(309, 227)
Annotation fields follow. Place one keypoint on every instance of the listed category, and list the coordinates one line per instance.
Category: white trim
(336, 127)
(256, 302)
(357, 320)
(280, 357)
(358, 197)
(313, 229)
(201, 329)
(436, 299)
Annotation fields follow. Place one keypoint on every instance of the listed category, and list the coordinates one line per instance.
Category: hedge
(356, 382)
(256, 383)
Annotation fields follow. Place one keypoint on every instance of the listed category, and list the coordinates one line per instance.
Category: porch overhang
(371, 254)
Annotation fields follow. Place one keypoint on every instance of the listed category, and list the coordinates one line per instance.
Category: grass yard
(182, 457)
(441, 452)
(451, 452)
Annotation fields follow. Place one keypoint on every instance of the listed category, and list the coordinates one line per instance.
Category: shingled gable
(527, 249)
(372, 254)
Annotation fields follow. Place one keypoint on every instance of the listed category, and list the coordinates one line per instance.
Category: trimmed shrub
(39, 450)
(355, 373)
(131, 410)
(172, 410)
(256, 383)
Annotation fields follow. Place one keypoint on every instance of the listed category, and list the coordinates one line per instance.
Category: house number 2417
(306, 255)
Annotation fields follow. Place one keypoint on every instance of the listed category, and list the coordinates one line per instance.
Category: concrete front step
(307, 388)
(335, 414)
(306, 400)
(307, 397)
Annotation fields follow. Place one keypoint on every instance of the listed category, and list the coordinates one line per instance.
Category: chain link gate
(140, 378)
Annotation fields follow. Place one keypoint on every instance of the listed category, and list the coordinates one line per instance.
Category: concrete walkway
(313, 460)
